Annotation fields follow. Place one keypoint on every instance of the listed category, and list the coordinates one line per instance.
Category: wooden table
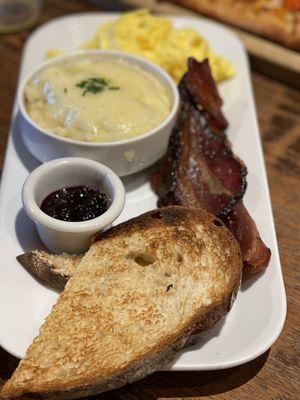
(275, 374)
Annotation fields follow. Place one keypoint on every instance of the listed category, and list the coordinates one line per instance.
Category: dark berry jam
(74, 204)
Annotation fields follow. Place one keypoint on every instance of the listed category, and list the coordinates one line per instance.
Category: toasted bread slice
(138, 294)
(52, 269)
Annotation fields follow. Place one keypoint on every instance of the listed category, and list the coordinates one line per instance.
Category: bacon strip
(256, 256)
(200, 168)
(204, 92)
(216, 180)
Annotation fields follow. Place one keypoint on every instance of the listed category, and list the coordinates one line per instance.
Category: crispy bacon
(204, 92)
(200, 168)
(256, 255)
(203, 171)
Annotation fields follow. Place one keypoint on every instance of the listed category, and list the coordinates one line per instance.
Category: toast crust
(47, 268)
(177, 221)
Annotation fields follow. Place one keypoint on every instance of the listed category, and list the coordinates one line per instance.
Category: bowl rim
(34, 212)
(155, 69)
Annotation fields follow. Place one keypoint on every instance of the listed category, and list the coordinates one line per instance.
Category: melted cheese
(138, 102)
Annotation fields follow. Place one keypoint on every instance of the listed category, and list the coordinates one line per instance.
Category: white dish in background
(124, 157)
(258, 314)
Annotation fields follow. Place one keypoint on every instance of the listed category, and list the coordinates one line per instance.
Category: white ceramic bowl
(71, 237)
(124, 157)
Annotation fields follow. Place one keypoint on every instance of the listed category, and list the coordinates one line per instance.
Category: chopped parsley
(95, 85)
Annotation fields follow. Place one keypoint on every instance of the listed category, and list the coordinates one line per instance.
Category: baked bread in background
(278, 21)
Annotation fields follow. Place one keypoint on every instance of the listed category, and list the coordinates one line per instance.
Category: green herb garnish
(95, 85)
(65, 90)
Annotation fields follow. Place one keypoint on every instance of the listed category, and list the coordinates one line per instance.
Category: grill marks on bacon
(200, 168)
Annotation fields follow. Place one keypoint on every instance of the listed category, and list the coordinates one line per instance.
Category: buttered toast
(137, 296)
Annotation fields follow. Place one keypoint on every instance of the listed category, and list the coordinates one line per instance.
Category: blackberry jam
(74, 204)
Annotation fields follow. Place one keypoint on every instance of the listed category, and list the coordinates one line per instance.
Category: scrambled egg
(156, 39)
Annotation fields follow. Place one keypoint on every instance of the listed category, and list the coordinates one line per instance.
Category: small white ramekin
(124, 157)
(71, 237)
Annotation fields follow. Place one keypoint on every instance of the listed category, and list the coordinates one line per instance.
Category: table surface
(275, 374)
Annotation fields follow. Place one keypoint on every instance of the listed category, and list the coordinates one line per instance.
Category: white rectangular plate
(258, 314)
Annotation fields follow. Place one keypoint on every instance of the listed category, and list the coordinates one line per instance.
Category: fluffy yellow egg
(156, 39)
